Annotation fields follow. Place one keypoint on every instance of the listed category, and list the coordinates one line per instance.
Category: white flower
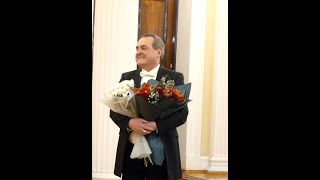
(121, 89)
(120, 99)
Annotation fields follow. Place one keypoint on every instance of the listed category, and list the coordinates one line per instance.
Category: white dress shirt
(146, 75)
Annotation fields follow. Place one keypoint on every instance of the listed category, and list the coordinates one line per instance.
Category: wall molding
(207, 164)
(218, 164)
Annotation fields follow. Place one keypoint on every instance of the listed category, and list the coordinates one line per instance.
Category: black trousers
(134, 169)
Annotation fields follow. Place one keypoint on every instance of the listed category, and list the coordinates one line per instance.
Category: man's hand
(140, 126)
(152, 124)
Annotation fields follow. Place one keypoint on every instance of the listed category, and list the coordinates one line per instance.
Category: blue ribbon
(157, 149)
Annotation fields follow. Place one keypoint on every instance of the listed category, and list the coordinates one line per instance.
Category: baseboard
(104, 176)
(203, 172)
(203, 175)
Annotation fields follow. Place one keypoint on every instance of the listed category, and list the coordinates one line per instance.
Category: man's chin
(140, 64)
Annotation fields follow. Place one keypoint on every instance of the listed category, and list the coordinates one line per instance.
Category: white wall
(115, 37)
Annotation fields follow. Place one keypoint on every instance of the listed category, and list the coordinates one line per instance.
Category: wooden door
(160, 17)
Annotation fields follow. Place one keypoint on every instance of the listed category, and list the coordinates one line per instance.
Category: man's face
(147, 57)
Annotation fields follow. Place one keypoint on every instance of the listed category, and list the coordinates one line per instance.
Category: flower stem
(147, 160)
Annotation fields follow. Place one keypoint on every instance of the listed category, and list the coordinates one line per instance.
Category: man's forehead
(145, 41)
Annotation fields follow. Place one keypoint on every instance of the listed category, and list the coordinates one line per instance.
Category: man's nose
(138, 51)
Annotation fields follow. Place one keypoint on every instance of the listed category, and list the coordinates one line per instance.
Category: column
(115, 37)
(219, 126)
(190, 61)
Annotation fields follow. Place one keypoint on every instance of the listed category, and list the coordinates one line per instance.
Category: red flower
(143, 91)
(156, 93)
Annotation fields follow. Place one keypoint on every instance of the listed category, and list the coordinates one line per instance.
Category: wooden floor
(204, 175)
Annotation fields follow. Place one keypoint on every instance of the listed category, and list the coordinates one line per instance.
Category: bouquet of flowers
(120, 98)
(157, 100)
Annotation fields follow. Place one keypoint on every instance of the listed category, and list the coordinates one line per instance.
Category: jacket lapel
(161, 72)
(137, 78)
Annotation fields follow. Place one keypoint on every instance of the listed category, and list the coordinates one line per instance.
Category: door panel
(160, 17)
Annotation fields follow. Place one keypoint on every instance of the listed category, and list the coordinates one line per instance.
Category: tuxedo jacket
(166, 127)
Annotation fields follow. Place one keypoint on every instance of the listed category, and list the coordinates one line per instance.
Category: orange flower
(177, 95)
(167, 92)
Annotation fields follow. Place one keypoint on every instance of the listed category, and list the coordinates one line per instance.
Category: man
(149, 51)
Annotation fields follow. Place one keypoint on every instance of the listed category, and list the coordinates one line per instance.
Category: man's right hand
(138, 125)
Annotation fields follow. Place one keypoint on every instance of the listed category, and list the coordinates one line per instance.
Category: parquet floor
(203, 175)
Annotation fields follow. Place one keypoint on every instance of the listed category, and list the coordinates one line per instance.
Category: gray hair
(157, 42)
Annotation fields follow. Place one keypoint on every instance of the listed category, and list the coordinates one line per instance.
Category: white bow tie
(147, 74)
